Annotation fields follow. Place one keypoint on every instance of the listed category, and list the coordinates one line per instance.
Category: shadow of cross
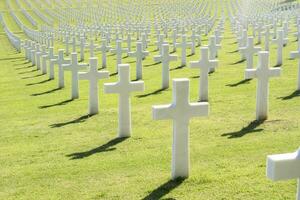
(164, 189)
(109, 146)
(75, 121)
(251, 128)
(291, 96)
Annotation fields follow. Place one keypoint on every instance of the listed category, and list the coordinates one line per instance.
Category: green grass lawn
(51, 149)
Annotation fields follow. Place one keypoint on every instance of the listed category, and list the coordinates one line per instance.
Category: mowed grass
(51, 149)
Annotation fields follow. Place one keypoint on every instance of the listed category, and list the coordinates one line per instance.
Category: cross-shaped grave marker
(165, 58)
(93, 76)
(124, 87)
(204, 65)
(74, 68)
(139, 54)
(263, 74)
(180, 111)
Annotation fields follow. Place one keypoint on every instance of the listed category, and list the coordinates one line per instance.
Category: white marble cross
(263, 74)
(82, 46)
(213, 48)
(204, 65)
(124, 87)
(104, 48)
(93, 76)
(67, 42)
(180, 111)
(284, 167)
(51, 56)
(60, 61)
(33, 53)
(44, 63)
(183, 45)
(174, 39)
(248, 51)
(139, 54)
(193, 37)
(145, 41)
(294, 55)
(119, 51)
(242, 41)
(165, 58)
(128, 41)
(267, 37)
(39, 55)
(74, 67)
(160, 42)
(280, 43)
(92, 48)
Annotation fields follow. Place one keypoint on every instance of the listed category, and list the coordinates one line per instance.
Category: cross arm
(54, 60)
(103, 74)
(137, 86)
(113, 50)
(295, 54)
(66, 66)
(199, 109)
(213, 63)
(173, 57)
(195, 64)
(132, 54)
(274, 72)
(83, 75)
(157, 58)
(125, 50)
(283, 166)
(250, 73)
(83, 65)
(146, 53)
(111, 88)
(162, 112)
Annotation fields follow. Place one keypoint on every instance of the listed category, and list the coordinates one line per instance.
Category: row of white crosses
(181, 104)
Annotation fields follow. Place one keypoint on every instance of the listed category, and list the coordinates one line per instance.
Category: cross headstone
(263, 74)
(284, 167)
(139, 54)
(204, 65)
(165, 58)
(119, 51)
(93, 76)
(39, 55)
(51, 56)
(74, 68)
(104, 48)
(183, 45)
(60, 61)
(213, 49)
(160, 42)
(92, 47)
(249, 50)
(180, 111)
(267, 38)
(32, 53)
(124, 87)
(280, 43)
(294, 55)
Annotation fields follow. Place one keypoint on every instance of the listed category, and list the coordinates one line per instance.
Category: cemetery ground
(51, 149)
